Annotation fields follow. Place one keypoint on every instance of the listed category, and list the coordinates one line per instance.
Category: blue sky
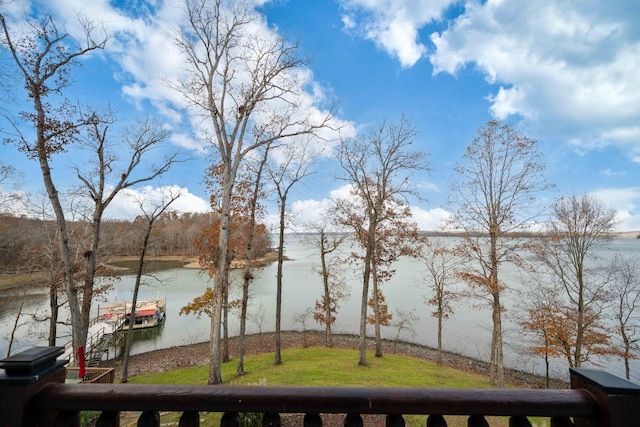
(565, 72)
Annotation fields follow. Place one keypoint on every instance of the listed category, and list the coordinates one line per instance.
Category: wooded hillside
(28, 245)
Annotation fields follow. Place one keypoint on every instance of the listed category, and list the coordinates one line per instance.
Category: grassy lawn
(320, 366)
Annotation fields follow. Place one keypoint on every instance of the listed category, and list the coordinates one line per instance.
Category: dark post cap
(609, 383)
(31, 364)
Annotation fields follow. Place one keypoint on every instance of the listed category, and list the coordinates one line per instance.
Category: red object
(81, 361)
(145, 313)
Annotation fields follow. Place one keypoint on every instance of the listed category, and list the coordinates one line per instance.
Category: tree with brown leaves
(441, 266)
(243, 235)
(579, 225)
(334, 287)
(626, 303)
(494, 197)
(378, 166)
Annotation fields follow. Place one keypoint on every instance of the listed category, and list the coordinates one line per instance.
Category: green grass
(320, 366)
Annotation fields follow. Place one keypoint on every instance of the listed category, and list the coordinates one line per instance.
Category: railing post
(619, 399)
(24, 374)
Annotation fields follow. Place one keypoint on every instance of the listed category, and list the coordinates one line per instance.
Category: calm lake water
(467, 332)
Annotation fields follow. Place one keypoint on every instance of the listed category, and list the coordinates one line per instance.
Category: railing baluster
(229, 419)
(436, 420)
(108, 419)
(67, 419)
(312, 419)
(477, 421)
(561, 422)
(394, 420)
(519, 421)
(353, 420)
(149, 419)
(271, 419)
(190, 419)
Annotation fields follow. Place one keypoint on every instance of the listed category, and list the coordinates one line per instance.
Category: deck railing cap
(30, 365)
(609, 383)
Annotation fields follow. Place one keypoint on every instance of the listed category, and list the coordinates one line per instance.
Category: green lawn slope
(321, 366)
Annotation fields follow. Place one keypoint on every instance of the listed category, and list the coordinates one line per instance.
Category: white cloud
(186, 141)
(141, 41)
(393, 25)
(611, 172)
(431, 219)
(626, 202)
(314, 211)
(126, 205)
(569, 68)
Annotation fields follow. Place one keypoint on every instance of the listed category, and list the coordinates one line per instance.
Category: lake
(467, 332)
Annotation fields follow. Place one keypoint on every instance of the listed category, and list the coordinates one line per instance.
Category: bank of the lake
(128, 265)
(198, 354)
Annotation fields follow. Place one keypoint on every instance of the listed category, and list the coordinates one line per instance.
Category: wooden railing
(33, 393)
(92, 375)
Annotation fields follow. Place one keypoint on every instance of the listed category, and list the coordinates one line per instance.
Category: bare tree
(378, 166)
(405, 321)
(8, 175)
(285, 172)
(241, 82)
(579, 225)
(334, 288)
(44, 59)
(441, 265)
(151, 211)
(626, 299)
(247, 277)
(303, 318)
(258, 319)
(499, 179)
(111, 172)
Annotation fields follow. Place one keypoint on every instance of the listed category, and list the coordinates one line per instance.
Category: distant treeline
(28, 244)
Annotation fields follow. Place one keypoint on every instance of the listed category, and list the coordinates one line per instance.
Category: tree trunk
(215, 369)
(327, 291)
(243, 319)
(63, 241)
(15, 327)
(497, 370)
(222, 273)
(546, 359)
(134, 302)
(376, 311)
(225, 325)
(247, 276)
(53, 320)
(91, 259)
(368, 258)
(580, 324)
(278, 356)
(439, 357)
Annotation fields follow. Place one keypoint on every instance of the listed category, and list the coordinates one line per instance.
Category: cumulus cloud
(126, 205)
(626, 202)
(430, 219)
(393, 25)
(305, 212)
(569, 68)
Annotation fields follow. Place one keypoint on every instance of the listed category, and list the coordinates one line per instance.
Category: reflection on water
(140, 336)
(150, 266)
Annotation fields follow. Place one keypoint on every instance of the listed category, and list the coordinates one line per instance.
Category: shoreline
(10, 282)
(197, 354)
